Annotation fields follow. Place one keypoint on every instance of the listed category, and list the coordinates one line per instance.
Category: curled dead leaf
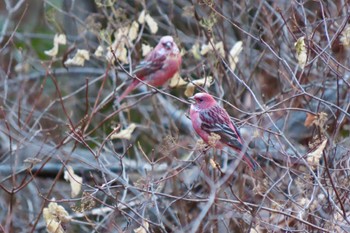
(195, 51)
(310, 118)
(57, 40)
(213, 139)
(126, 133)
(234, 54)
(79, 58)
(200, 82)
(219, 47)
(99, 51)
(314, 157)
(74, 180)
(301, 51)
(54, 216)
(133, 30)
(146, 49)
(177, 81)
(143, 228)
(141, 18)
(152, 24)
(345, 37)
(213, 163)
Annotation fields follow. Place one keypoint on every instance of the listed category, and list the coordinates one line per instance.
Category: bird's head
(167, 43)
(202, 101)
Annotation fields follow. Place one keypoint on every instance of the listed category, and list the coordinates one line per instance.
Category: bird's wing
(153, 63)
(216, 120)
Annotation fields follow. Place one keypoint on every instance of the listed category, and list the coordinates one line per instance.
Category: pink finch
(159, 66)
(208, 117)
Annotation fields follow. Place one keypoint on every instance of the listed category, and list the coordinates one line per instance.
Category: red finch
(159, 66)
(208, 117)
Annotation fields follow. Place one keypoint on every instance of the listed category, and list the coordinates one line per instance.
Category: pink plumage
(159, 66)
(208, 117)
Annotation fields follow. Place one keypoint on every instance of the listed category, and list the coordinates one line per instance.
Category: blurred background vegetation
(73, 160)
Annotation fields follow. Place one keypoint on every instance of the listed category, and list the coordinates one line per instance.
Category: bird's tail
(251, 162)
(129, 89)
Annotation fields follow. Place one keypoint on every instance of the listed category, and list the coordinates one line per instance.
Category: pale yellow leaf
(345, 37)
(99, 51)
(177, 81)
(152, 24)
(142, 229)
(52, 52)
(74, 180)
(121, 33)
(57, 40)
(195, 51)
(200, 82)
(54, 215)
(117, 50)
(301, 52)
(213, 163)
(146, 49)
(141, 18)
(60, 39)
(207, 81)
(134, 28)
(189, 90)
(314, 157)
(54, 227)
(79, 58)
(234, 54)
(126, 133)
(206, 48)
(220, 48)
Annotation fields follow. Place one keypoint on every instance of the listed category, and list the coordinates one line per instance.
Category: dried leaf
(79, 58)
(319, 120)
(200, 144)
(152, 24)
(99, 51)
(146, 49)
(126, 133)
(213, 139)
(121, 33)
(75, 181)
(117, 50)
(142, 229)
(310, 118)
(219, 47)
(57, 40)
(141, 18)
(189, 90)
(200, 82)
(177, 81)
(32, 161)
(301, 51)
(206, 48)
(234, 54)
(54, 216)
(213, 163)
(314, 157)
(133, 31)
(345, 37)
(195, 51)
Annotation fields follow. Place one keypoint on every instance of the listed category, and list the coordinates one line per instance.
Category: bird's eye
(200, 99)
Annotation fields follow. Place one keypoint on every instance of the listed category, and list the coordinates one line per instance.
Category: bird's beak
(168, 45)
(191, 100)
